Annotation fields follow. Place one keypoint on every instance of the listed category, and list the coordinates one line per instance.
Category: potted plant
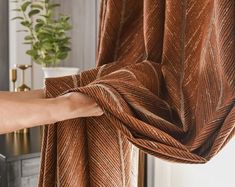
(46, 34)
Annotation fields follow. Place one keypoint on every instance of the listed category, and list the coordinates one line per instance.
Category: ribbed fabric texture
(165, 79)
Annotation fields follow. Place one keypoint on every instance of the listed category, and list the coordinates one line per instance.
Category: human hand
(82, 105)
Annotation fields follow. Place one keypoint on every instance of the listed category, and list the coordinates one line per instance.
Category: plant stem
(35, 39)
(29, 27)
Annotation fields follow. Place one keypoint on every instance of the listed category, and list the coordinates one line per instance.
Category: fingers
(98, 111)
(83, 105)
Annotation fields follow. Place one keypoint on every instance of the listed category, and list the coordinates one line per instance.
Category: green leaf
(28, 37)
(42, 36)
(18, 17)
(51, 6)
(25, 5)
(48, 30)
(22, 31)
(64, 18)
(47, 46)
(65, 40)
(33, 12)
(38, 26)
(31, 52)
(65, 49)
(60, 31)
(25, 23)
(37, 6)
(44, 32)
(27, 43)
(45, 16)
(48, 59)
(62, 55)
(16, 10)
(39, 20)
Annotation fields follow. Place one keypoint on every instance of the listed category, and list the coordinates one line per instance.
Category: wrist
(83, 105)
(60, 109)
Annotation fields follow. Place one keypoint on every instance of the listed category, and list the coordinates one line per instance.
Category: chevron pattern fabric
(165, 79)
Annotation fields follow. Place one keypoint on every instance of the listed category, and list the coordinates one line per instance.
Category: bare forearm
(33, 94)
(24, 113)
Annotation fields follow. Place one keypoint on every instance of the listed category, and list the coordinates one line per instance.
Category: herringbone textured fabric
(165, 79)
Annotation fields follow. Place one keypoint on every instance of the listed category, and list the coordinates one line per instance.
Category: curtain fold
(165, 79)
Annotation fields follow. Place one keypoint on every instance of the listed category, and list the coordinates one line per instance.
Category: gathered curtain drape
(165, 79)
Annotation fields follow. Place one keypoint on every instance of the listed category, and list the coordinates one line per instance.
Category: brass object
(22, 131)
(23, 86)
(13, 78)
(20, 142)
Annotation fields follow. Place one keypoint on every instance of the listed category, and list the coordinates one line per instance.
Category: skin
(29, 109)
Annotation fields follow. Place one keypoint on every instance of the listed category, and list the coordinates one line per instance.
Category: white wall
(158, 172)
(83, 15)
(218, 172)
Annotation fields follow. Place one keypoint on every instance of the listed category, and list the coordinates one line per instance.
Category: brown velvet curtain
(165, 79)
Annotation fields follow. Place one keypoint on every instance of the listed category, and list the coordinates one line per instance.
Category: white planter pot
(59, 71)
